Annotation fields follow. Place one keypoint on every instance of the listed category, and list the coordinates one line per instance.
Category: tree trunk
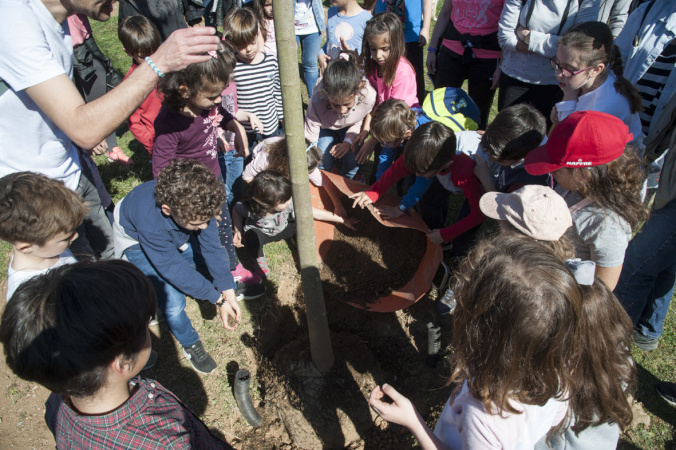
(320, 339)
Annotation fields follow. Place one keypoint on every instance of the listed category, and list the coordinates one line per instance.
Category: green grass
(227, 347)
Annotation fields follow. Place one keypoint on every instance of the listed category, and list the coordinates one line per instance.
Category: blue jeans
(170, 300)
(385, 160)
(646, 283)
(231, 170)
(327, 139)
(310, 45)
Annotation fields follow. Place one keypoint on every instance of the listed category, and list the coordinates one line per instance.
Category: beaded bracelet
(154, 67)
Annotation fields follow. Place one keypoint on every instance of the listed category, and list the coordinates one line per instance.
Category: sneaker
(245, 276)
(645, 343)
(248, 291)
(199, 358)
(667, 391)
(152, 360)
(116, 155)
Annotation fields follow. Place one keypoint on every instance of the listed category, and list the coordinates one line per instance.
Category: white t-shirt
(16, 278)
(35, 48)
(304, 18)
(467, 424)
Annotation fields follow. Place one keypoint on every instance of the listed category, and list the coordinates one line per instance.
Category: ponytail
(622, 85)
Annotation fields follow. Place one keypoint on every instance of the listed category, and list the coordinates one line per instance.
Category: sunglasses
(565, 72)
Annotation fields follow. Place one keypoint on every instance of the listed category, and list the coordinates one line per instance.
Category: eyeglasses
(565, 72)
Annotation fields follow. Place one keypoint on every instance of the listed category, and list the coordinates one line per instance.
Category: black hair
(64, 328)
(267, 190)
(431, 146)
(514, 132)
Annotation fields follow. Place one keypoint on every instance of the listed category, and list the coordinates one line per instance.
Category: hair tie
(213, 54)
(583, 271)
(310, 146)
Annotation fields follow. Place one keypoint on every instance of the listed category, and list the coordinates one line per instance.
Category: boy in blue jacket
(157, 227)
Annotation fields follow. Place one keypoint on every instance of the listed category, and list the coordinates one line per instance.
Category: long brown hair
(616, 186)
(384, 24)
(595, 44)
(278, 157)
(521, 314)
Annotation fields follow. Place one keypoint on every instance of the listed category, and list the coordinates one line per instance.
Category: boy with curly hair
(38, 217)
(81, 331)
(156, 227)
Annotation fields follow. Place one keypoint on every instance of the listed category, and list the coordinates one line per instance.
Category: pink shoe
(244, 275)
(116, 155)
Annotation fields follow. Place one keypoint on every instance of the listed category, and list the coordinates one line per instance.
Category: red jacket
(142, 121)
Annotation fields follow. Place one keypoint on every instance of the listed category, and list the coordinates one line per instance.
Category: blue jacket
(658, 30)
(160, 238)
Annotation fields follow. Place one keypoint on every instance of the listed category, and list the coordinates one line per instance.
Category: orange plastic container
(421, 280)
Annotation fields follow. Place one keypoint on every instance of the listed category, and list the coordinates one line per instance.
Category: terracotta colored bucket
(419, 284)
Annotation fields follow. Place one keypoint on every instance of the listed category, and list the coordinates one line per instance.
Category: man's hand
(230, 309)
(184, 47)
(389, 212)
(431, 63)
(360, 199)
(435, 237)
(340, 150)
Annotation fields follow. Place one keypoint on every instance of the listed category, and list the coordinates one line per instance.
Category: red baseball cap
(583, 139)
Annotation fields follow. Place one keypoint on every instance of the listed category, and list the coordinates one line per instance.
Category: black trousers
(255, 239)
(542, 96)
(416, 56)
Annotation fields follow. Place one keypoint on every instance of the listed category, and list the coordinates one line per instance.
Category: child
(338, 111)
(140, 38)
(429, 153)
(588, 67)
(273, 154)
(392, 123)
(81, 331)
(344, 31)
(514, 132)
(191, 125)
(600, 177)
(38, 217)
(256, 76)
(540, 352)
(268, 216)
(386, 67)
(263, 10)
(156, 227)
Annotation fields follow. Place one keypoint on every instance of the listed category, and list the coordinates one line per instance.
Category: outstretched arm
(87, 124)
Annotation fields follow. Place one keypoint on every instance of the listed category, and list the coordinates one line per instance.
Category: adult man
(44, 116)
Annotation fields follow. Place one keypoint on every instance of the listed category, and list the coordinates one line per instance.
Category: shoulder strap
(579, 205)
(566, 12)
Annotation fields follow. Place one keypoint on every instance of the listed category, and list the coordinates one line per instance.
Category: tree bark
(287, 53)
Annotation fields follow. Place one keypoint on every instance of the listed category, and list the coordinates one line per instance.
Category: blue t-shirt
(410, 13)
(351, 28)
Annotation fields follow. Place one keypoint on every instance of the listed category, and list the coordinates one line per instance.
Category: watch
(404, 209)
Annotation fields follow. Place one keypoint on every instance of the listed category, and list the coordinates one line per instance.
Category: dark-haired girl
(268, 216)
(588, 68)
(339, 110)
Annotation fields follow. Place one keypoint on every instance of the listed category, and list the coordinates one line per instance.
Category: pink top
(79, 27)
(270, 46)
(259, 162)
(477, 19)
(320, 114)
(403, 86)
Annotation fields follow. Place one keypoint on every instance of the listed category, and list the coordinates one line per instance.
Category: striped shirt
(652, 82)
(259, 92)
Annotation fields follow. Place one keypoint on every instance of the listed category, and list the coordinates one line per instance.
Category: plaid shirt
(152, 418)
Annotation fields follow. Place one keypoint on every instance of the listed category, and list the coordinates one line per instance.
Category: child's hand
(401, 411)
(101, 148)
(435, 237)
(230, 308)
(554, 116)
(256, 123)
(323, 62)
(359, 140)
(361, 199)
(340, 150)
(365, 151)
(350, 222)
(222, 144)
(389, 212)
(237, 238)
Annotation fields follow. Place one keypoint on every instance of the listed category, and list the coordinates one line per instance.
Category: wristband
(404, 209)
(154, 67)
(431, 49)
(221, 302)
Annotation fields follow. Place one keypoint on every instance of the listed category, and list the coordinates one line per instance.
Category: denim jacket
(658, 30)
(318, 11)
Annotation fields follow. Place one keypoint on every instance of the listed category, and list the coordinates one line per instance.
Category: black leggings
(415, 55)
(452, 72)
(542, 96)
(255, 239)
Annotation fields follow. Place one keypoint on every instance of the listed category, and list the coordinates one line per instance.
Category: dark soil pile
(362, 266)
